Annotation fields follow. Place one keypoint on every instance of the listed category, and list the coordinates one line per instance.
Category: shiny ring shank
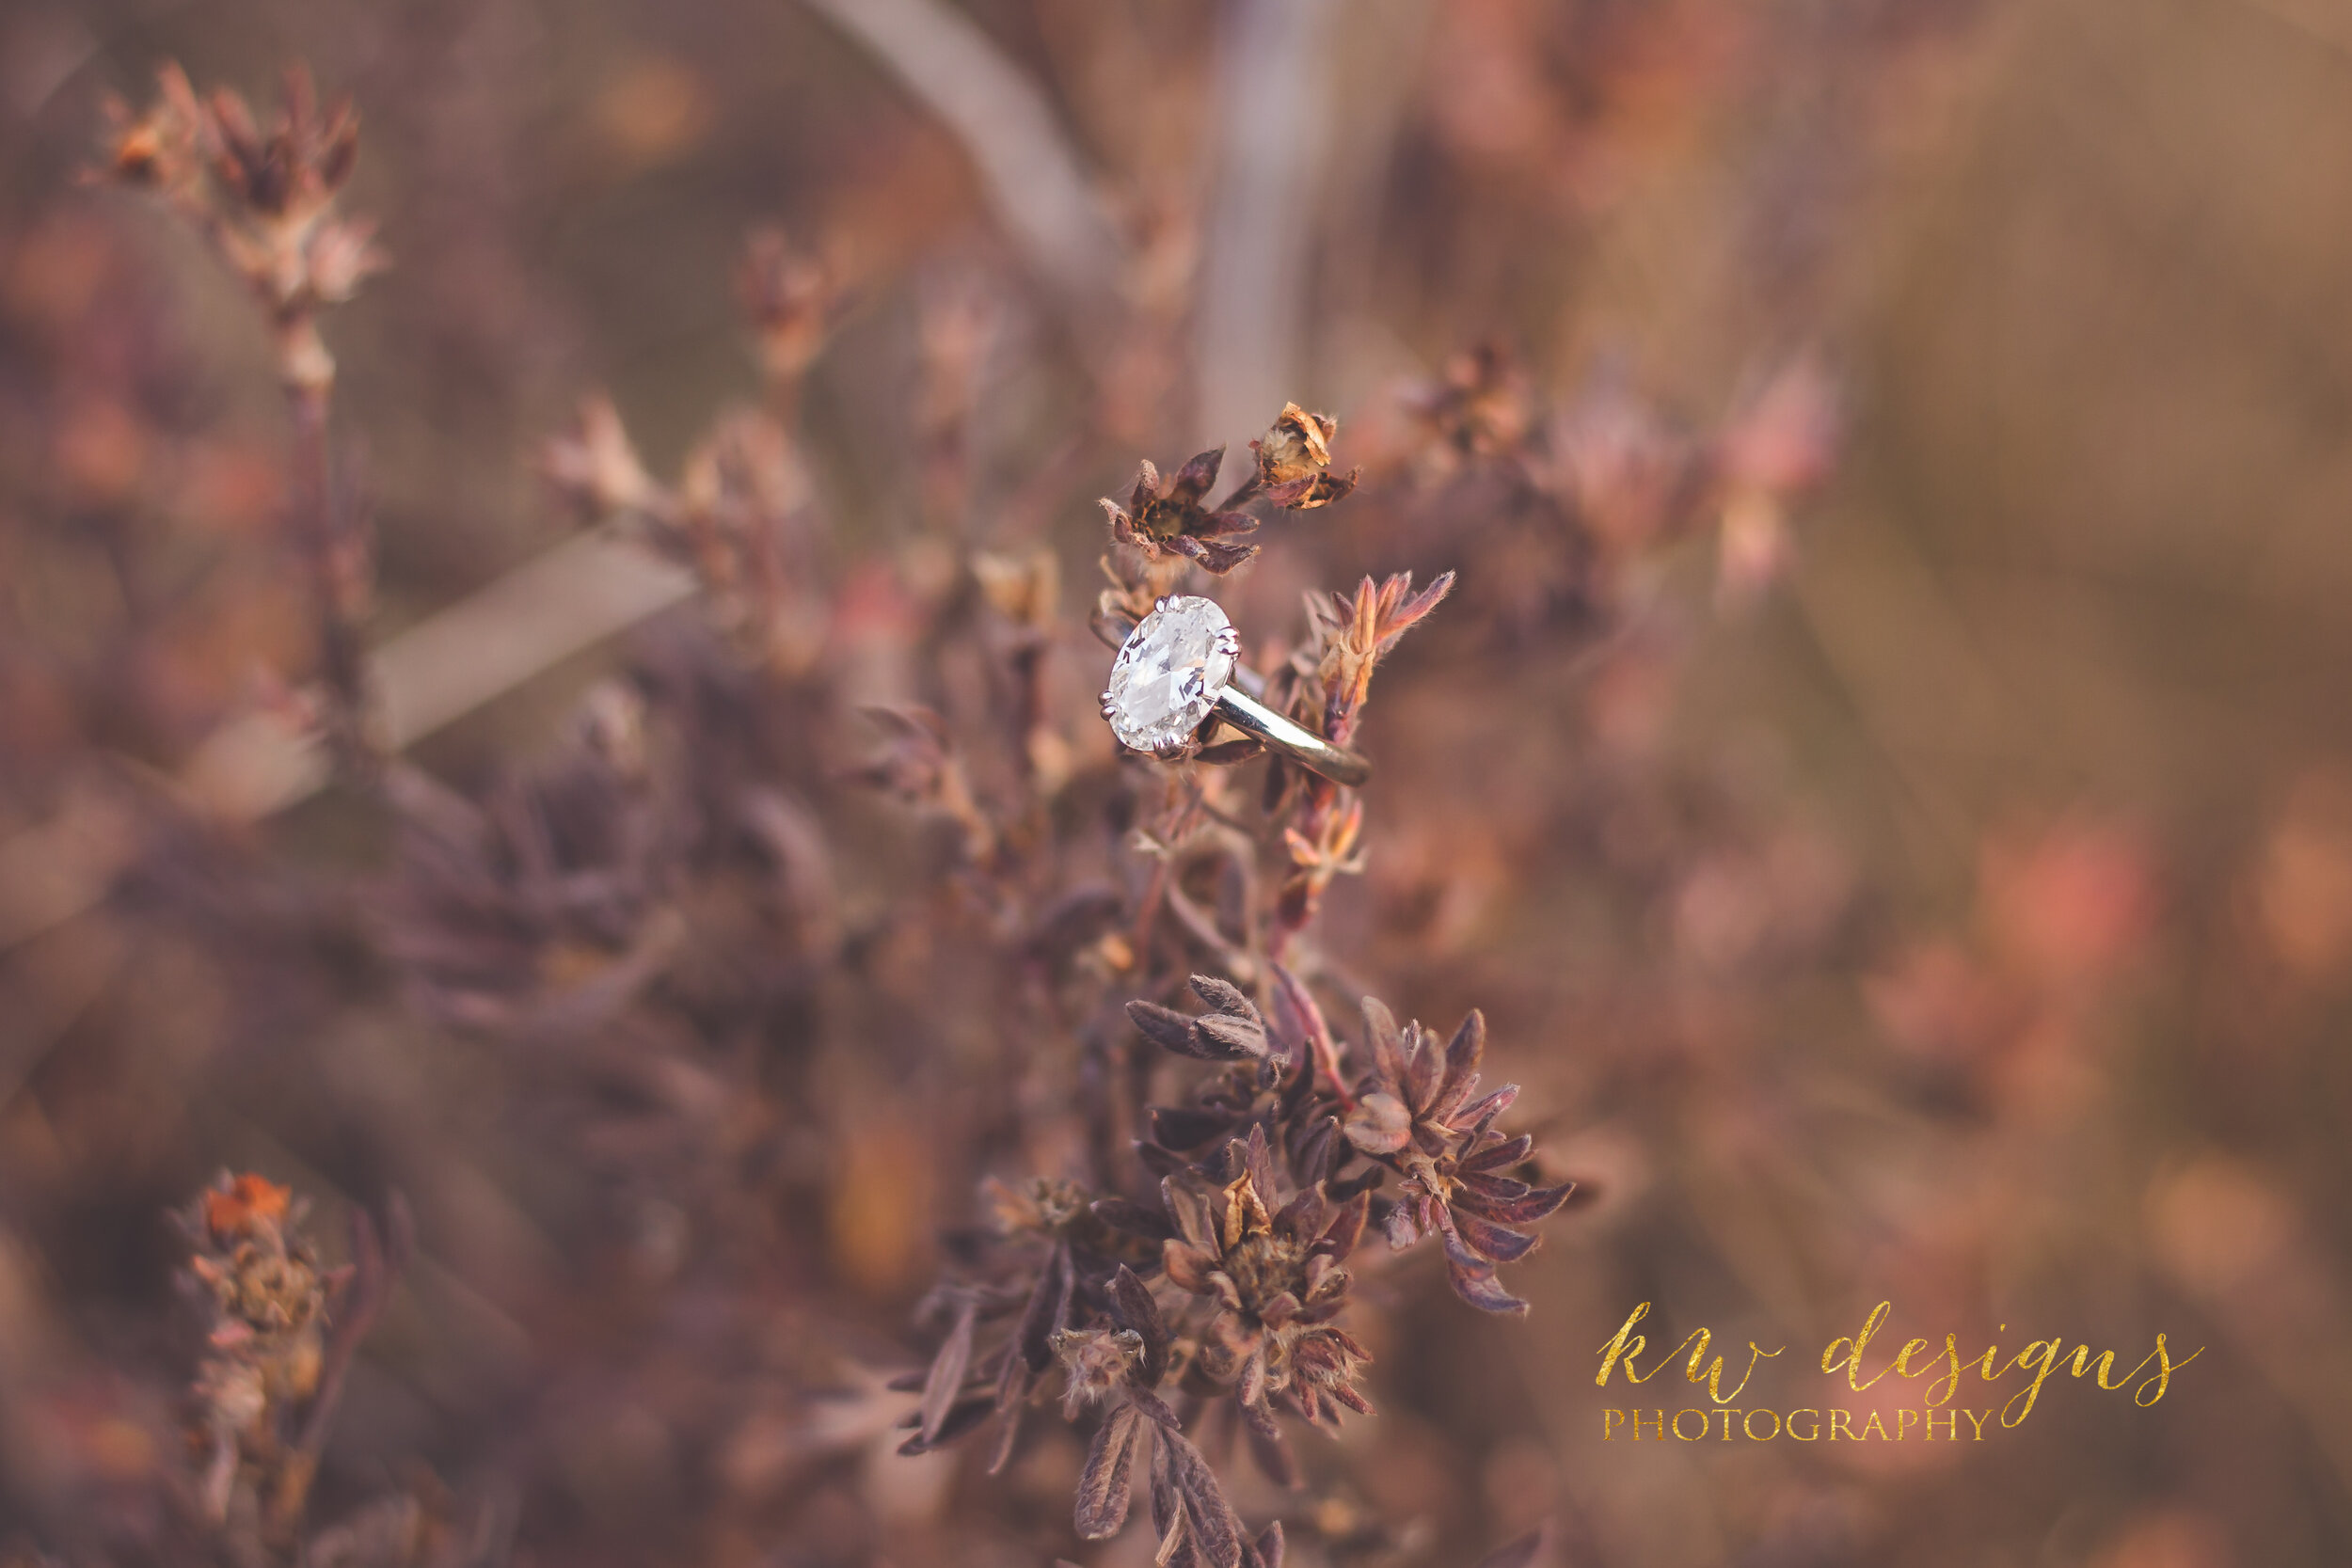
(1308, 750)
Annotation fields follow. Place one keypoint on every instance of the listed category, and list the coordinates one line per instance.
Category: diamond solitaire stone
(1171, 672)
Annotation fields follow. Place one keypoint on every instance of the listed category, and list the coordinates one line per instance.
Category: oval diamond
(1170, 673)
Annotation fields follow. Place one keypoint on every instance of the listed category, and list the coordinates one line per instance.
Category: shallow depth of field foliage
(581, 978)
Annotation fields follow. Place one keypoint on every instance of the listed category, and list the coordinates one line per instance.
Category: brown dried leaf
(948, 1372)
(1223, 995)
(1049, 1303)
(1194, 479)
(1164, 1027)
(1132, 1306)
(1270, 1449)
(1472, 1277)
(1105, 1484)
(1463, 1055)
(1242, 1037)
(1385, 1045)
(1208, 1518)
(1524, 1208)
(1490, 1241)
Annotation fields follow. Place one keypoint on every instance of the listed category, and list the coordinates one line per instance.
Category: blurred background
(1883, 771)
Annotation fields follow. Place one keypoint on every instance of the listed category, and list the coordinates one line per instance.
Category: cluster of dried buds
(1322, 685)
(267, 199)
(279, 1330)
(268, 202)
(1478, 406)
(1213, 1297)
(742, 516)
(1167, 522)
(791, 297)
(1315, 824)
(1325, 687)
(1209, 1306)
(1620, 474)
(1415, 1114)
(265, 1295)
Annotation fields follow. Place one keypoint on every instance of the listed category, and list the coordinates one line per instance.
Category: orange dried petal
(249, 1200)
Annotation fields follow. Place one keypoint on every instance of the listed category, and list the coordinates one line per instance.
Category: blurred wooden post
(543, 611)
(1029, 171)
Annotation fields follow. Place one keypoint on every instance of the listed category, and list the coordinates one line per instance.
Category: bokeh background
(1930, 879)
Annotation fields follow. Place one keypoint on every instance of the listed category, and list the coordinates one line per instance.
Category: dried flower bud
(1355, 631)
(1233, 1032)
(238, 1207)
(1022, 589)
(596, 469)
(160, 149)
(1041, 1205)
(917, 766)
(1295, 457)
(1164, 518)
(1097, 1362)
(265, 198)
(1480, 407)
(341, 253)
(789, 296)
(1784, 437)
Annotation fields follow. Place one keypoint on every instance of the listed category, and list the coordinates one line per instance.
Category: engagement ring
(1181, 664)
